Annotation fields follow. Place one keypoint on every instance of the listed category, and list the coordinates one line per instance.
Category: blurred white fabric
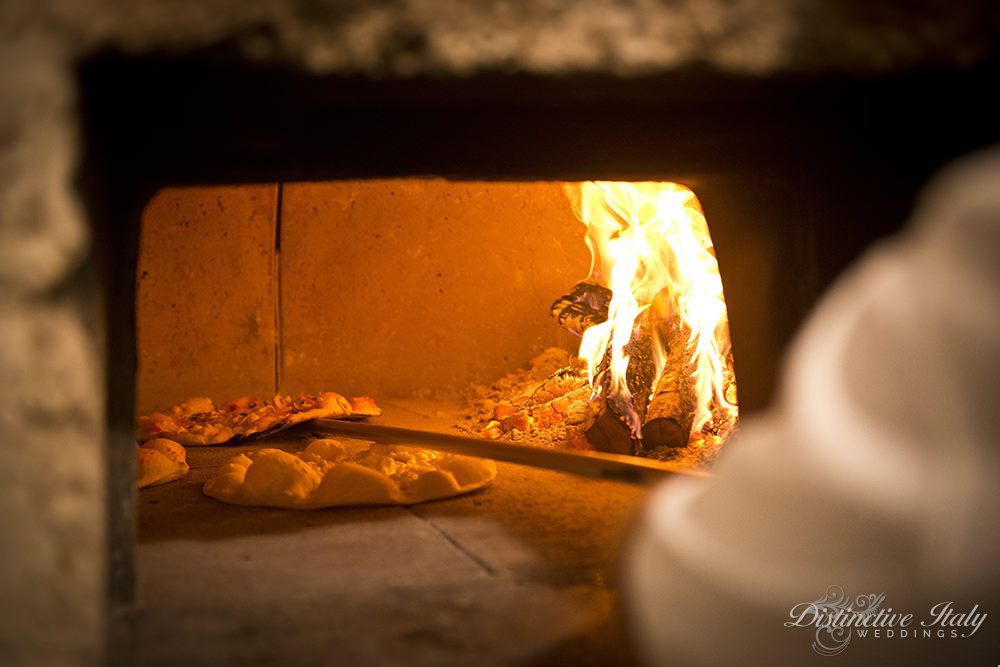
(877, 470)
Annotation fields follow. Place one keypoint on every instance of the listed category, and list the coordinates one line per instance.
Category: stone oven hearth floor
(520, 573)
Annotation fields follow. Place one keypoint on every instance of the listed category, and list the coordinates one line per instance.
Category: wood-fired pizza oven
(404, 240)
(263, 226)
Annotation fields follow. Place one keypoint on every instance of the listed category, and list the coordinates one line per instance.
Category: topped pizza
(198, 421)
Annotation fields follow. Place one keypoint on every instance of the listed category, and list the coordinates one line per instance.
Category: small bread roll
(160, 461)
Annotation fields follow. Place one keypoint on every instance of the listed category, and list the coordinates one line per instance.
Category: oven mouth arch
(785, 148)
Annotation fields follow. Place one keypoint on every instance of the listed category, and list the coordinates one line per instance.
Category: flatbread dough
(160, 461)
(337, 472)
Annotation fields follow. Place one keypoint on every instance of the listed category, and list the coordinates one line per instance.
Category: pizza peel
(631, 469)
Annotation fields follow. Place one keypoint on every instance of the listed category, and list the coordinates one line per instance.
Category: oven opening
(563, 269)
(570, 316)
(491, 310)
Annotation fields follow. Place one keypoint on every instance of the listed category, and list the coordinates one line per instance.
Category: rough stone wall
(52, 513)
(51, 561)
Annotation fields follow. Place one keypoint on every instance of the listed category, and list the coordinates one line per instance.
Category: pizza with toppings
(198, 421)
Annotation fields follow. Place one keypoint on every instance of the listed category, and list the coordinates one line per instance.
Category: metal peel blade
(631, 469)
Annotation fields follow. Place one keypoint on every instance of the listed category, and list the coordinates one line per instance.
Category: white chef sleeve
(875, 471)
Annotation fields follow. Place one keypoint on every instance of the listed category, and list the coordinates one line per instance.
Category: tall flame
(649, 243)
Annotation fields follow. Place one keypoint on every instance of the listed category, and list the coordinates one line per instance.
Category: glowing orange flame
(648, 240)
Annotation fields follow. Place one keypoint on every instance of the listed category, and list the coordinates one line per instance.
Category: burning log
(661, 410)
(610, 433)
(619, 423)
(671, 409)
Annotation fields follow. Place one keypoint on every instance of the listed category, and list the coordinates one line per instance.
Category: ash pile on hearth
(548, 405)
(545, 405)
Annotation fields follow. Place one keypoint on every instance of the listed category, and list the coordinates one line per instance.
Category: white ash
(547, 405)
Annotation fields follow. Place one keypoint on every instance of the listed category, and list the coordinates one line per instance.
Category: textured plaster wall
(51, 561)
(400, 287)
(206, 291)
(52, 512)
(390, 288)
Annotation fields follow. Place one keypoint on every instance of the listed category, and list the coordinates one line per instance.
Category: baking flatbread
(159, 461)
(338, 472)
(197, 421)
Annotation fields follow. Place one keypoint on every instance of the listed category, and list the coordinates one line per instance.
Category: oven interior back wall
(392, 288)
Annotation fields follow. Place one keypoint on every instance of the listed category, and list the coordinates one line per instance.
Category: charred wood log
(661, 410)
(609, 431)
(585, 305)
(671, 409)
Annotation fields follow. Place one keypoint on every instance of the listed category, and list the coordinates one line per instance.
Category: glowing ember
(650, 245)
